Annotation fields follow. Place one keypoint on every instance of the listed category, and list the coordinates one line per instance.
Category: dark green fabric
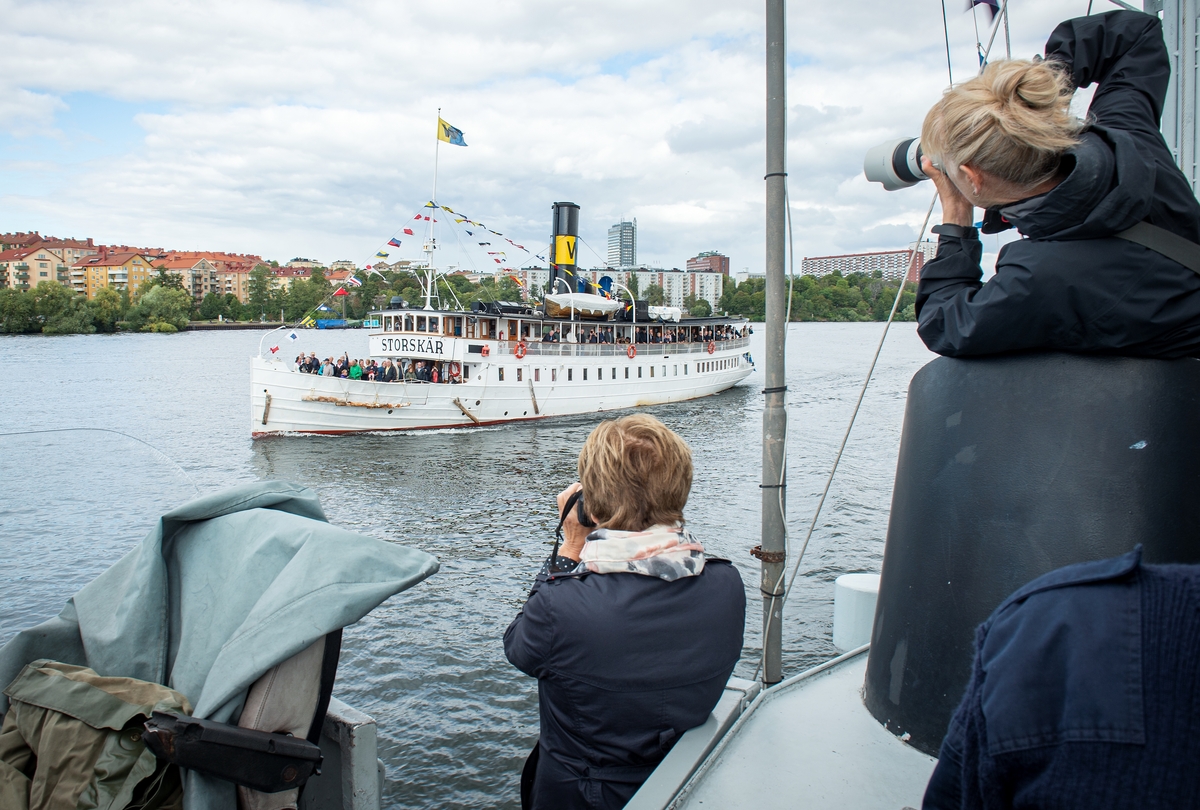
(72, 739)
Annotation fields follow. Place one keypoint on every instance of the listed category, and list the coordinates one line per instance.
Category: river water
(455, 719)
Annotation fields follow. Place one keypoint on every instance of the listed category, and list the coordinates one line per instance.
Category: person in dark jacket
(631, 632)
(1008, 144)
(1083, 695)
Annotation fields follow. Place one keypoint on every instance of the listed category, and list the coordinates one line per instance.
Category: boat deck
(810, 743)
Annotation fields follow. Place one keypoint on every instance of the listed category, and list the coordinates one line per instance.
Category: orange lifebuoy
(485, 351)
(455, 369)
(520, 350)
(631, 351)
(712, 346)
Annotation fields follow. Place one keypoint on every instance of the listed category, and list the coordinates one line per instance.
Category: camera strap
(1165, 243)
(567, 507)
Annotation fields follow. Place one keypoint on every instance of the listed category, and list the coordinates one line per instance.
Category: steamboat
(579, 351)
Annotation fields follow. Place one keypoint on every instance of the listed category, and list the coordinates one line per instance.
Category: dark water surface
(455, 720)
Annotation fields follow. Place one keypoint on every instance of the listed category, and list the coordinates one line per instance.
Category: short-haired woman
(631, 632)
(1006, 142)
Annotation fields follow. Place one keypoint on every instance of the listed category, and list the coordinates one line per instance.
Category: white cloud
(306, 128)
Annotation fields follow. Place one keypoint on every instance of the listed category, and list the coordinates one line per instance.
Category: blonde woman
(1007, 143)
(632, 632)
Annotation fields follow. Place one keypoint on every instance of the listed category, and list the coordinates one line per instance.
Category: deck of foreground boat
(808, 742)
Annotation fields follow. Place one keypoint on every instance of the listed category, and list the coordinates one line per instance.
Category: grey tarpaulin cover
(221, 590)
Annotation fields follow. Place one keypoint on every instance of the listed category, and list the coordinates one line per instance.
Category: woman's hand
(956, 209)
(574, 533)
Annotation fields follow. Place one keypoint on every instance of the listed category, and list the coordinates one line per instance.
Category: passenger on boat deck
(355, 371)
(410, 371)
(1082, 694)
(388, 374)
(593, 337)
(327, 368)
(631, 631)
(1006, 142)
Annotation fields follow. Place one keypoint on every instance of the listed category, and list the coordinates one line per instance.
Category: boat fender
(712, 346)
(631, 351)
(520, 350)
(485, 351)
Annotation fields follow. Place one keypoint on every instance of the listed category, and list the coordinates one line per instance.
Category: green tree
(633, 284)
(213, 306)
(655, 295)
(161, 309)
(259, 291)
(108, 308)
(163, 278)
(17, 314)
(697, 307)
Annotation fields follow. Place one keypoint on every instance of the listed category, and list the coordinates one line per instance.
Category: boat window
(537, 375)
(585, 373)
(519, 374)
(457, 327)
(651, 371)
(408, 323)
(627, 372)
(675, 371)
(570, 374)
(500, 371)
(664, 371)
(433, 323)
(639, 372)
(685, 365)
(470, 327)
(553, 375)
(512, 330)
(614, 376)
(420, 323)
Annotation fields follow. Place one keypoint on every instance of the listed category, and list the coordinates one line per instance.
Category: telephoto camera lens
(896, 164)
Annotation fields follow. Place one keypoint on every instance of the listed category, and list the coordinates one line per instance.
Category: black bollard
(1010, 467)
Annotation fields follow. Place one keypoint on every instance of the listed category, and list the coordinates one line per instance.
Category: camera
(896, 164)
(581, 515)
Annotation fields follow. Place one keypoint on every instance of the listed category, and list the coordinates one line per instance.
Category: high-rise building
(710, 261)
(622, 244)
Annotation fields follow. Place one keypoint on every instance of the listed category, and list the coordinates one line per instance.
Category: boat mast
(431, 239)
(774, 431)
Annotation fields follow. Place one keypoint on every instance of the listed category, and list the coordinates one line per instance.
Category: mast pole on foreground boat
(773, 550)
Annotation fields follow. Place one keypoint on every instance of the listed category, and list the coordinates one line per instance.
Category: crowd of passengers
(652, 334)
(430, 371)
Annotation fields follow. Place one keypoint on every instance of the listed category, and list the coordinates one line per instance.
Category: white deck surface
(811, 743)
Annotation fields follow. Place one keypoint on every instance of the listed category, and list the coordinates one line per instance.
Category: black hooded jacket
(1070, 284)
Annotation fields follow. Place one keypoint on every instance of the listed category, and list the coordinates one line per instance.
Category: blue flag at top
(449, 134)
(993, 7)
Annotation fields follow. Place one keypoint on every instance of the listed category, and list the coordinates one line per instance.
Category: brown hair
(1013, 121)
(636, 473)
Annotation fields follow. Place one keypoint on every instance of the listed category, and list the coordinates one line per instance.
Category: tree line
(855, 297)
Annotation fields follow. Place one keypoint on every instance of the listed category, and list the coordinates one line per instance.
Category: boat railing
(619, 349)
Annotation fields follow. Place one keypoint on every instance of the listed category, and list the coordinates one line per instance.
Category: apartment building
(122, 270)
(893, 264)
(198, 275)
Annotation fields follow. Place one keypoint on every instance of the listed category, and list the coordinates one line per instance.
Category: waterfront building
(20, 239)
(891, 263)
(308, 263)
(287, 276)
(622, 244)
(24, 268)
(710, 261)
(122, 270)
(343, 264)
(198, 275)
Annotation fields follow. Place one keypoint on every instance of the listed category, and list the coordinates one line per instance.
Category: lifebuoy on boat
(455, 368)
(712, 346)
(631, 351)
(485, 351)
(520, 350)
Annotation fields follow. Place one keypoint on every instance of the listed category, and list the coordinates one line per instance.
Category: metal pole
(774, 433)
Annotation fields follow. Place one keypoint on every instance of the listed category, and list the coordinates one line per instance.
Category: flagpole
(436, 144)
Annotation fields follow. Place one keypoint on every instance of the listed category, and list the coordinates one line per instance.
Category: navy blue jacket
(1085, 694)
(625, 664)
(1071, 285)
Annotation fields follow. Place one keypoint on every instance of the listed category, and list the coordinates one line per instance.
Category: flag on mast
(449, 134)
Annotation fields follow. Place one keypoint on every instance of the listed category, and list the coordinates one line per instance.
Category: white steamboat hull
(552, 380)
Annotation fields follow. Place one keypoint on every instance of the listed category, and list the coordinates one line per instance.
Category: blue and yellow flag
(449, 134)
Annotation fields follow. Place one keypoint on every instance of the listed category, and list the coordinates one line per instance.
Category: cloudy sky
(307, 128)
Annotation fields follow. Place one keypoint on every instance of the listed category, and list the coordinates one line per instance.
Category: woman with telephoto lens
(631, 631)
(1081, 280)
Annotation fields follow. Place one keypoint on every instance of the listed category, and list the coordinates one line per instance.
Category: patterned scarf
(666, 552)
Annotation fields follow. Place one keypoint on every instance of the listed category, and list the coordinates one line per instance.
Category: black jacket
(625, 664)
(1070, 285)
